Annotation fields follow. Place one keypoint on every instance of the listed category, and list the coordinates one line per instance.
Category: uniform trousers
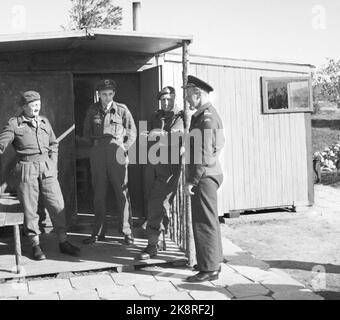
(160, 199)
(206, 227)
(36, 177)
(105, 168)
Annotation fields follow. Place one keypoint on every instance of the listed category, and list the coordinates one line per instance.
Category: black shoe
(195, 268)
(128, 239)
(203, 276)
(149, 252)
(68, 248)
(92, 239)
(38, 254)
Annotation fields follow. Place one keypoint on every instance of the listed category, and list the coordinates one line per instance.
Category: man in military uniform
(110, 129)
(204, 176)
(165, 123)
(36, 171)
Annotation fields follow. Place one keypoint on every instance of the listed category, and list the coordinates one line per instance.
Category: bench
(11, 215)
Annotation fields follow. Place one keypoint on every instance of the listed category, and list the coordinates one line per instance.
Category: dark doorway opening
(128, 92)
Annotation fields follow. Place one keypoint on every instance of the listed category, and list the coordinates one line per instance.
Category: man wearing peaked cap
(110, 130)
(106, 84)
(204, 176)
(36, 171)
(198, 83)
(165, 123)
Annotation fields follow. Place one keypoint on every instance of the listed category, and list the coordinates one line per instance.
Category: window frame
(264, 95)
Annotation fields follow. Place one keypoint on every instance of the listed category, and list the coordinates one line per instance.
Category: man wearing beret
(165, 123)
(36, 171)
(110, 129)
(204, 176)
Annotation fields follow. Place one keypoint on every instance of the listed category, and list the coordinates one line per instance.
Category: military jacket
(206, 126)
(172, 123)
(116, 123)
(28, 139)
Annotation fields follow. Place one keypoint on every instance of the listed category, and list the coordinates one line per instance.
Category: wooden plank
(281, 67)
(17, 250)
(242, 113)
(251, 138)
(14, 218)
(237, 143)
(226, 193)
(309, 158)
(260, 132)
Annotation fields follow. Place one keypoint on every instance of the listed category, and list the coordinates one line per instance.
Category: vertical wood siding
(264, 158)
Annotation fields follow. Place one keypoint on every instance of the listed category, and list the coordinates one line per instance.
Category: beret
(29, 96)
(196, 82)
(166, 90)
(106, 84)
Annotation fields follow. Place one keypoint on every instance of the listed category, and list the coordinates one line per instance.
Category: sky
(304, 31)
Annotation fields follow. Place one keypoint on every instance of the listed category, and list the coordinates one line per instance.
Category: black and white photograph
(182, 151)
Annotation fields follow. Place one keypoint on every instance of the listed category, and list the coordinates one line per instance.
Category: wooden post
(136, 15)
(17, 245)
(190, 248)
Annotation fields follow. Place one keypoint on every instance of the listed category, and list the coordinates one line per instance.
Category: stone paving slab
(13, 289)
(211, 295)
(173, 274)
(49, 286)
(280, 280)
(254, 273)
(202, 286)
(92, 281)
(231, 278)
(131, 278)
(296, 295)
(256, 298)
(247, 290)
(150, 288)
(48, 296)
(120, 293)
(79, 295)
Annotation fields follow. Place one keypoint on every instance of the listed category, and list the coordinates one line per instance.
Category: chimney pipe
(136, 15)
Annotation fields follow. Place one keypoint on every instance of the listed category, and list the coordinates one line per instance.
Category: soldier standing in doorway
(166, 122)
(36, 171)
(110, 129)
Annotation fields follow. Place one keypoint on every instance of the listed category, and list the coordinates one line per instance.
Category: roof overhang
(92, 40)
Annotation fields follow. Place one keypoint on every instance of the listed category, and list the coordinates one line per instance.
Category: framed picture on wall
(285, 95)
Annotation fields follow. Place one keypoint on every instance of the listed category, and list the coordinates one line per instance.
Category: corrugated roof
(92, 40)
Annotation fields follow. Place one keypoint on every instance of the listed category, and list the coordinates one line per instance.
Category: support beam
(190, 247)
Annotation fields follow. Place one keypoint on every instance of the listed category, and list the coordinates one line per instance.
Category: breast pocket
(115, 127)
(23, 138)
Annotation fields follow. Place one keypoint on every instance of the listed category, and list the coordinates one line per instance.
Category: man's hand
(188, 189)
(156, 133)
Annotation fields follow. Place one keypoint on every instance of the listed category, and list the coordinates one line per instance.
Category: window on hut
(286, 95)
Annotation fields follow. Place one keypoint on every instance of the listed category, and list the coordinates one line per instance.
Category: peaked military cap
(166, 90)
(29, 96)
(196, 82)
(106, 84)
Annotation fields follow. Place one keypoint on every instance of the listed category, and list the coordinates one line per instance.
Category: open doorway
(128, 92)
